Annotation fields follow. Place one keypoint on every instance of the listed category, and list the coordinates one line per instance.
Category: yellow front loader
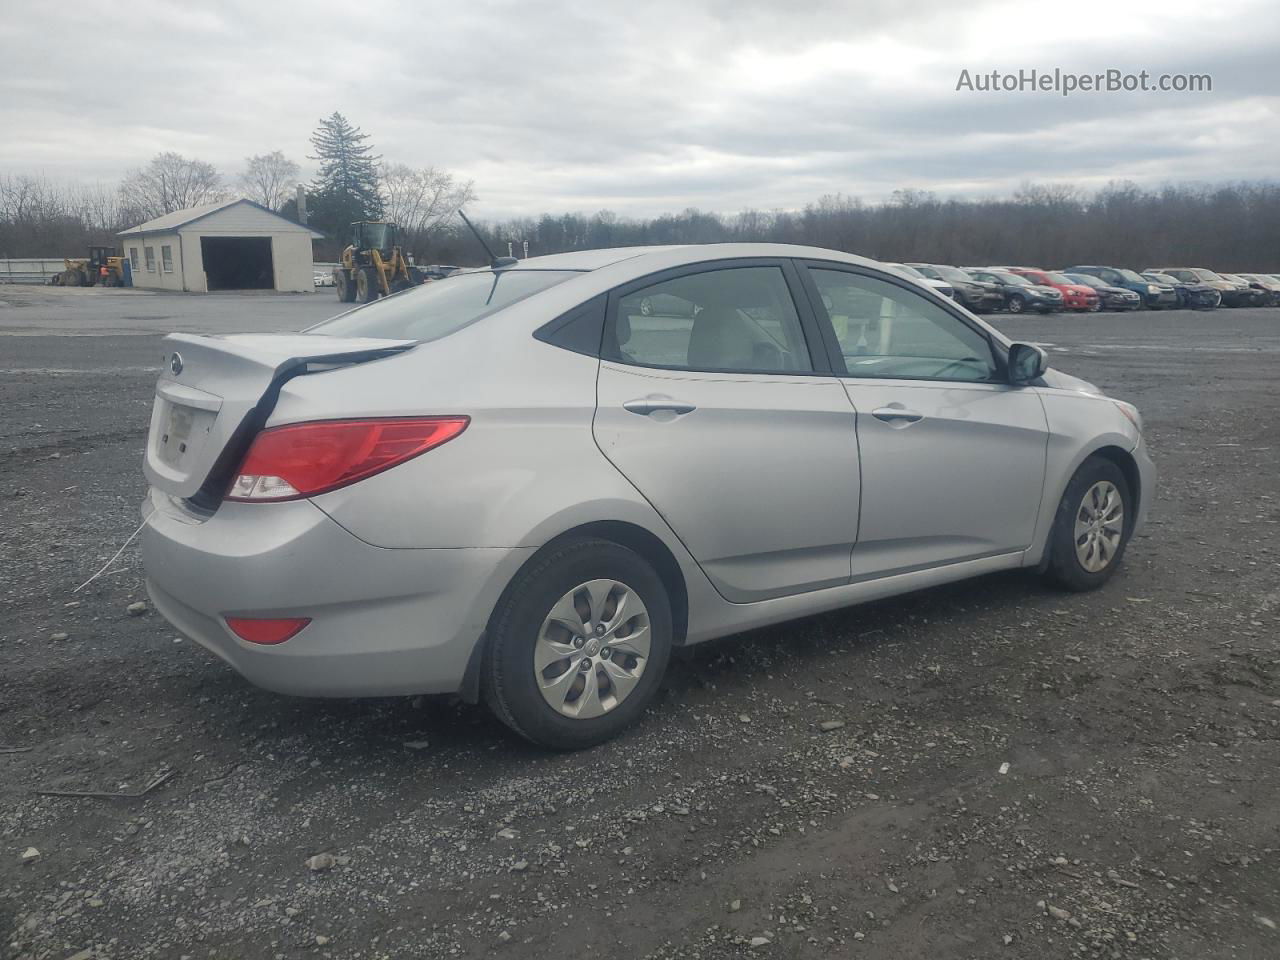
(372, 265)
(102, 266)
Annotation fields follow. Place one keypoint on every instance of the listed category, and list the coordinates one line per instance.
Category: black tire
(346, 289)
(508, 678)
(416, 277)
(366, 285)
(1065, 568)
(1097, 306)
(1017, 303)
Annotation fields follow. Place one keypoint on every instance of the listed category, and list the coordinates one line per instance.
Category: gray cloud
(720, 104)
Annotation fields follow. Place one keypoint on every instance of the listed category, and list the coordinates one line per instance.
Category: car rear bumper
(383, 621)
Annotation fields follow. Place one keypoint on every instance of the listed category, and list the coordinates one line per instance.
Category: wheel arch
(1129, 467)
(630, 535)
(1107, 449)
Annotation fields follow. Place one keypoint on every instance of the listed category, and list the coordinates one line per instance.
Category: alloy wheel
(592, 649)
(1099, 526)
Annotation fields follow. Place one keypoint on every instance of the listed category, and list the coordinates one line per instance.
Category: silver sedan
(527, 484)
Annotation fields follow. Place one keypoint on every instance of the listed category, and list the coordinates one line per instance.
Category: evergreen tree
(346, 187)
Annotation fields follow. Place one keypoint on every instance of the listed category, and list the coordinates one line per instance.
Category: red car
(1075, 296)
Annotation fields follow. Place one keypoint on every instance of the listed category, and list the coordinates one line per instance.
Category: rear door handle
(647, 405)
(897, 415)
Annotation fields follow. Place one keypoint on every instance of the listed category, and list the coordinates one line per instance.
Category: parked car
(1019, 293)
(978, 297)
(1233, 294)
(1075, 296)
(438, 271)
(1109, 297)
(323, 278)
(944, 288)
(1154, 296)
(513, 484)
(1259, 296)
(1269, 283)
(1191, 295)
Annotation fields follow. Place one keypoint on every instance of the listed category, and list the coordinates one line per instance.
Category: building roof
(181, 218)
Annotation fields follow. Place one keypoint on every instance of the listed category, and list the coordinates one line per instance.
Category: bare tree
(420, 200)
(268, 179)
(170, 182)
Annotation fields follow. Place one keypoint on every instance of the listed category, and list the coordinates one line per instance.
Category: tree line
(1234, 226)
(40, 217)
(1231, 226)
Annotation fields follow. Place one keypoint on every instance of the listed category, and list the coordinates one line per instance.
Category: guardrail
(36, 270)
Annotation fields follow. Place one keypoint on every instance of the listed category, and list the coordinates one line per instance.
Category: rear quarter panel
(525, 470)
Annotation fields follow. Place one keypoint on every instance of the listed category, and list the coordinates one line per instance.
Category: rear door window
(739, 319)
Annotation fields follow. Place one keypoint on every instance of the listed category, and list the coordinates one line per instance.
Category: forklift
(372, 265)
(103, 266)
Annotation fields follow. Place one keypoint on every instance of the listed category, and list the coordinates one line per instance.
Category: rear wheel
(1017, 303)
(578, 645)
(366, 284)
(1091, 527)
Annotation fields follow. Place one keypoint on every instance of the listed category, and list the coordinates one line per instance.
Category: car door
(952, 456)
(711, 402)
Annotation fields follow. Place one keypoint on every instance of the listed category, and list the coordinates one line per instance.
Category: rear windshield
(437, 309)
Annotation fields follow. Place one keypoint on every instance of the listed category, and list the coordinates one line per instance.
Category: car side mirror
(1026, 363)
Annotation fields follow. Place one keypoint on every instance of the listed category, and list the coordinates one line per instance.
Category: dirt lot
(1137, 816)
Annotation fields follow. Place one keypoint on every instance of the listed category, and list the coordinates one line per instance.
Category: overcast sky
(653, 106)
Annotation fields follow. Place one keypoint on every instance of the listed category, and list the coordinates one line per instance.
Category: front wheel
(366, 285)
(578, 645)
(1017, 304)
(1091, 527)
(345, 287)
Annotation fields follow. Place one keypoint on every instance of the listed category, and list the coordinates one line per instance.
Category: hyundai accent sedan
(522, 485)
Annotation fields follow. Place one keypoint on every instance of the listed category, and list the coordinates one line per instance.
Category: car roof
(676, 254)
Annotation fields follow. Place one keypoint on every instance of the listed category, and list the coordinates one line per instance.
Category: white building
(229, 245)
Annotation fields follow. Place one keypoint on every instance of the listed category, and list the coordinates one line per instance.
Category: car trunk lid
(216, 392)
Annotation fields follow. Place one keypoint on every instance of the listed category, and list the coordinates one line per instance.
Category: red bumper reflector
(267, 632)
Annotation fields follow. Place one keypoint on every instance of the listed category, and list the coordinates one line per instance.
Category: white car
(944, 288)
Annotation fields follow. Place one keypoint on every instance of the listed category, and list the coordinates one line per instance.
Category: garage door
(238, 263)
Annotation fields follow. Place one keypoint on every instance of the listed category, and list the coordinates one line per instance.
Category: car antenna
(495, 263)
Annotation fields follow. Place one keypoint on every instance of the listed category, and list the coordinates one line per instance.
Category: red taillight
(267, 632)
(305, 459)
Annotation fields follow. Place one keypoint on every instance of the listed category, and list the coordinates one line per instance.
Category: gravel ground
(1013, 771)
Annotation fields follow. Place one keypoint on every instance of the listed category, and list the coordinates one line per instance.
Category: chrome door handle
(648, 405)
(897, 414)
